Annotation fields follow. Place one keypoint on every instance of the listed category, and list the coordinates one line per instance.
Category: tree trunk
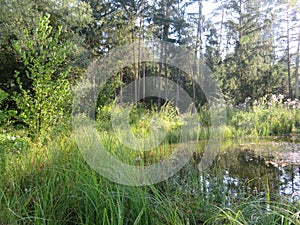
(297, 68)
(139, 55)
(158, 77)
(133, 49)
(165, 38)
(198, 46)
(177, 88)
(121, 88)
(288, 53)
(144, 81)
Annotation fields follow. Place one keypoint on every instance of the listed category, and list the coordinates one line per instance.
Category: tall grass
(264, 118)
(52, 184)
(60, 188)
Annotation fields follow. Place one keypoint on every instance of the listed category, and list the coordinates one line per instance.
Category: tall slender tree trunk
(133, 49)
(240, 37)
(297, 68)
(139, 54)
(158, 77)
(177, 88)
(144, 81)
(121, 88)
(221, 28)
(198, 47)
(141, 36)
(166, 4)
(165, 38)
(288, 53)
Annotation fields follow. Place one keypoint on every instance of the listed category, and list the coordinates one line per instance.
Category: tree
(15, 16)
(246, 67)
(46, 103)
(286, 26)
(297, 67)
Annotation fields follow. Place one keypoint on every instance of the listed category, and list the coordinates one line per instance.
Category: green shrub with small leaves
(45, 103)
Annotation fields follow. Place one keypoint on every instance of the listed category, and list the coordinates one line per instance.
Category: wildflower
(280, 97)
(274, 98)
(247, 99)
(13, 138)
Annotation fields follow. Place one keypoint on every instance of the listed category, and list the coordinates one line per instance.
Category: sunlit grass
(50, 182)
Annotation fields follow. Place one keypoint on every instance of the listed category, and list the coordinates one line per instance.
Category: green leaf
(245, 39)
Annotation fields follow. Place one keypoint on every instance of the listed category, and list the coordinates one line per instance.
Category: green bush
(44, 104)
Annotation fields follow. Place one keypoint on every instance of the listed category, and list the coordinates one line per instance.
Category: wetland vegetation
(252, 50)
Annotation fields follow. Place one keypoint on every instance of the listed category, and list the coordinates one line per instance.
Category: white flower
(13, 138)
(293, 102)
(247, 99)
(280, 96)
(274, 98)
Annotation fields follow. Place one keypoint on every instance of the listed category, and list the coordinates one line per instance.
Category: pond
(262, 168)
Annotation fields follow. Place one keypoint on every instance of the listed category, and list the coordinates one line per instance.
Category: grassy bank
(52, 184)
(47, 181)
(262, 118)
(265, 117)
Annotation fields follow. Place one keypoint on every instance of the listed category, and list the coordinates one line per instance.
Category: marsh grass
(50, 183)
(266, 117)
(54, 185)
(60, 188)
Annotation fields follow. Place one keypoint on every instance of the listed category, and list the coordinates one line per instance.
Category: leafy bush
(44, 104)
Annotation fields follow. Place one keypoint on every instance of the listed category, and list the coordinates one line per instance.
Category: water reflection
(253, 171)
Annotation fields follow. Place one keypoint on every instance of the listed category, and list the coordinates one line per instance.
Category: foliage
(48, 101)
(17, 15)
(5, 113)
(57, 186)
(266, 117)
(143, 121)
(51, 183)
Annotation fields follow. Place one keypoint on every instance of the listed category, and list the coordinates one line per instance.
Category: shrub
(44, 104)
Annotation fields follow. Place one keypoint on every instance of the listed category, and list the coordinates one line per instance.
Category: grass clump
(265, 117)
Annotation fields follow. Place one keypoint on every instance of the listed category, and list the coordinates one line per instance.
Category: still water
(261, 166)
